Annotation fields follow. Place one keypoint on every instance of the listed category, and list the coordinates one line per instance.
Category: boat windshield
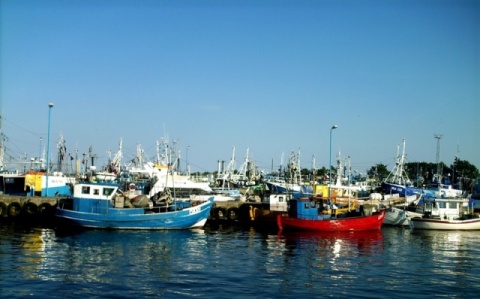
(108, 191)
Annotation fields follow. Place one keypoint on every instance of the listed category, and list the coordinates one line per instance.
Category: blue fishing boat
(397, 181)
(103, 205)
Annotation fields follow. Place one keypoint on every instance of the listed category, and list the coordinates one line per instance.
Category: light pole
(330, 167)
(188, 166)
(50, 105)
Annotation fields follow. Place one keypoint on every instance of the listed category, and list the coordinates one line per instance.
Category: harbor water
(230, 261)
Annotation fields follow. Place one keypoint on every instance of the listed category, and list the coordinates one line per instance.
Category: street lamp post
(50, 105)
(188, 166)
(330, 166)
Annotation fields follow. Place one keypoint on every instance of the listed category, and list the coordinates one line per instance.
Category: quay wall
(237, 211)
(34, 207)
(14, 206)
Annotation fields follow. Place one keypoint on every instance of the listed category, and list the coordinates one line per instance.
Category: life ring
(3, 209)
(132, 187)
(44, 209)
(29, 208)
(232, 214)
(14, 209)
(221, 213)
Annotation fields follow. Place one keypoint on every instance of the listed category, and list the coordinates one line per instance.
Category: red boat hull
(359, 223)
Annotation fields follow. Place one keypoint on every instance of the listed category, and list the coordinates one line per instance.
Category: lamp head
(334, 127)
(50, 105)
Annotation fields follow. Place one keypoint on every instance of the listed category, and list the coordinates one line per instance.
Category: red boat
(306, 215)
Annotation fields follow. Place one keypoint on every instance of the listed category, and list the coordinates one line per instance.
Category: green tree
(420, 173)
(379, 171)
(305, 172)
(461, 173)
(464, 174)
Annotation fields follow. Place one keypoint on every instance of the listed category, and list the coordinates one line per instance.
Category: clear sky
(270, 76)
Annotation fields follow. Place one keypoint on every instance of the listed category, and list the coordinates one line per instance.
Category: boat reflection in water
(32, 245)
(335, 244)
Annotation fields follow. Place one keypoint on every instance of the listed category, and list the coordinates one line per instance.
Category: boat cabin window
(280, 199)
(107, 191)
(441, 204)
(452, 205)
(85, 190)
(96, 192)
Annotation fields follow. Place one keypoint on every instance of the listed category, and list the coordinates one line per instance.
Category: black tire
(220, 213)
(30, 209)
(44, 209)
(3, 209)
(14, 209)
(232, 214)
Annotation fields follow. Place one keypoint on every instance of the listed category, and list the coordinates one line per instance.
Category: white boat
(183, 185)
(399, 217)
(446, 214)
(398, 209)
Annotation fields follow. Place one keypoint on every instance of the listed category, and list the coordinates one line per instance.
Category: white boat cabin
(95, 191)
(279, 202)
(444, 208)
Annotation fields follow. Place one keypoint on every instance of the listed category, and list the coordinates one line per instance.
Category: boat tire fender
(14, 209)
(232, 214)
(3, 209)
(29, 208)
(220, 213)
(44, 209)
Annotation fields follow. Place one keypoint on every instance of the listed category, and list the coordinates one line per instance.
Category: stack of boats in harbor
(399, 196)
(156, 195)
(289, 179)
(439, 206)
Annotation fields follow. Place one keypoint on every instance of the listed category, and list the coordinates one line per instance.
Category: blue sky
(270, 76)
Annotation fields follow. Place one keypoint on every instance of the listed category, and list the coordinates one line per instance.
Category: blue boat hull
(390, 188)
(138, 218)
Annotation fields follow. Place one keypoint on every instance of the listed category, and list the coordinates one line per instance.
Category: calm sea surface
(237, 262)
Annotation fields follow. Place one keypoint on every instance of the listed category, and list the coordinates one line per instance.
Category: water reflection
(354, 243)
(31, 245)
(450, 251)
(238, 262)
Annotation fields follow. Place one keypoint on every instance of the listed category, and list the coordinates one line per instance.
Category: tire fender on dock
(14, 209)
(30, 209)
(232, 213)
(220, 213)
(44, 209)
(3, 209)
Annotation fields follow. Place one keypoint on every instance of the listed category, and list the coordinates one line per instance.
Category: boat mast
(401, 164)
(299, 169)
(62, 150)
(115, 163)
(439, 170)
